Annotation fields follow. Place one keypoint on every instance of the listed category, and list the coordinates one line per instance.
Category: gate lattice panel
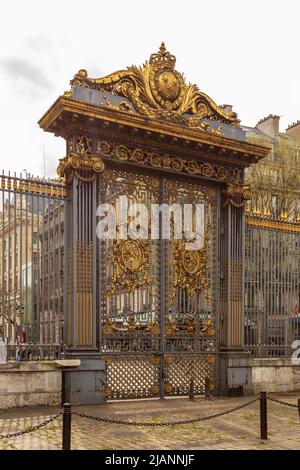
(129, 376)
(180, 369)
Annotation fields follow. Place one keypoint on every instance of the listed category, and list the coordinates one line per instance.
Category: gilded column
(232, 232)
(80, 169)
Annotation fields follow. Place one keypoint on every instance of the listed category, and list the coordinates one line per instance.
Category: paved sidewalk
(239, 430)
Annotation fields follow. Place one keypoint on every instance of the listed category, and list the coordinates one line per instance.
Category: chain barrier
(148, 424)
(281, 402)
(167, 423)
(31, 429)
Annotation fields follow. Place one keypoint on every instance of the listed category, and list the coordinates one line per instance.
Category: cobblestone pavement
(239, 430)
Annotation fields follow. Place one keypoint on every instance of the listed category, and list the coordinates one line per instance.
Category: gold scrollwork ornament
(130, 265)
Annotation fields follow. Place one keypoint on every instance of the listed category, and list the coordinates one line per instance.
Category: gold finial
(283, 215)
(162, 48)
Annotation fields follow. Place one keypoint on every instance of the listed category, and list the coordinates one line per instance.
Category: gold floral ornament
(80, 159)
(107, 391)
(109, 327)
(208, 328)
(155, 389)
(168, 388)
(190, 326)
(157, 90)
(107, 360)
(168, 359)
(153, 328)
(211, 359)
(131, 261)
(155, 359)
(131, 322)
(171, 328)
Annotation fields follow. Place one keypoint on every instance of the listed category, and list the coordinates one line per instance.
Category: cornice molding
(58, 116)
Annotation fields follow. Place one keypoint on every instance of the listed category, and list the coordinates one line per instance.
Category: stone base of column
(235, 372)
(85, 385)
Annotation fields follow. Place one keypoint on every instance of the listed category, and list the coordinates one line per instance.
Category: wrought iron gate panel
(157, 303)
(130, 294)
(132, 376)
(190, 322)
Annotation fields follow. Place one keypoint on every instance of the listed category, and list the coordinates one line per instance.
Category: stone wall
(30, 384)
(40, 383)
(275, 375)
(259, 374)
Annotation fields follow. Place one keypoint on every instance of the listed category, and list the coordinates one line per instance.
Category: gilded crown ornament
(158, 91)
(163, 57)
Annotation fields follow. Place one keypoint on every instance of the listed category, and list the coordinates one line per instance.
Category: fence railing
(272, 286)
(31, 266)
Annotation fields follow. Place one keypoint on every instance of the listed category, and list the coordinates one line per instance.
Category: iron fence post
(263, 416)
(299, 408)
(67, 415)
(192, 392)
(207, 387)
(63, 387)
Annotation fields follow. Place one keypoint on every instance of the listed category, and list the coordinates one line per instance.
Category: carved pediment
(157, 90)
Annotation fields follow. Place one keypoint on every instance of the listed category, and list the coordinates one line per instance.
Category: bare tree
(275, 180)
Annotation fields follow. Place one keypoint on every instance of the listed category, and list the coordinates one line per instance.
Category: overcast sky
(244, 53)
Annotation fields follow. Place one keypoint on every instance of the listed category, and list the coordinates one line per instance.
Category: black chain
(31, 429)
(281, 402)
(167, 423)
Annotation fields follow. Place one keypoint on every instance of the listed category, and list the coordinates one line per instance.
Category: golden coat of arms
(157, 90)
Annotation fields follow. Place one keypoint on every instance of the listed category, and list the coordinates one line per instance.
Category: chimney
(294, 130)
(227, 108)
(269, 125)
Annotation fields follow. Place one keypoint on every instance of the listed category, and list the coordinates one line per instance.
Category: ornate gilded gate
(157, 298)
(149, 306)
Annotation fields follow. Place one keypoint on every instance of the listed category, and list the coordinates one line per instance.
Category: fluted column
(232, 233)
(80, 172)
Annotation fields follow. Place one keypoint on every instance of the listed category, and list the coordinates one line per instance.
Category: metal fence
(31, 266)
(272, 286)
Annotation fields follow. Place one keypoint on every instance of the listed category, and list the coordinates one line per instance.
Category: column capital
(237, 194)
(82, 166)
